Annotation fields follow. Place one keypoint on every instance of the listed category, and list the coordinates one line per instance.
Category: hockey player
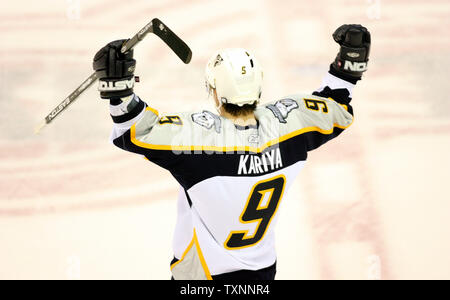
(235, 165)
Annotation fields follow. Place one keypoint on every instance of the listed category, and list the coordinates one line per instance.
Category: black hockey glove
(353, 56)
(115, 71)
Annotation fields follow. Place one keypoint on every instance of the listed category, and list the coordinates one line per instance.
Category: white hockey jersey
(232, 178)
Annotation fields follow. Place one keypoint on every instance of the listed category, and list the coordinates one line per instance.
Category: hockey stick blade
(172, 40)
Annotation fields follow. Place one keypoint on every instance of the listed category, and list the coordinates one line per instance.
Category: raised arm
(136, 126)
(338, 84)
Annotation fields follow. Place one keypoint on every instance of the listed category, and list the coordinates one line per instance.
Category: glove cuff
(116, 88)
(343, 75)
(351, 67)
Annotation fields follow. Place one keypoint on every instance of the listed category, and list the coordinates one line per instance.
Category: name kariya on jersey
(267, 162)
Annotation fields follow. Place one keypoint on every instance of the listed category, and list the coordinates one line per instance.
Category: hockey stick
(155, 26)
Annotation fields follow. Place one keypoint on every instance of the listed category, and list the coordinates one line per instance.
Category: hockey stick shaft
(130, 44)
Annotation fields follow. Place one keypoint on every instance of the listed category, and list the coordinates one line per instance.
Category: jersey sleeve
(314, 119)
(322, 120)
(336, 87)
(329, 114)
(140, 129)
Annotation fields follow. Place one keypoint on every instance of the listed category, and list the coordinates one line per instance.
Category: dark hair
(237, 111)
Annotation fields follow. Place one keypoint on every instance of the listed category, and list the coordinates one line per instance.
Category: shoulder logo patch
(282, 108)
(207, 119)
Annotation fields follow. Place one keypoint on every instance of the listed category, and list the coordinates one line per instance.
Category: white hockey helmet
(236, 75)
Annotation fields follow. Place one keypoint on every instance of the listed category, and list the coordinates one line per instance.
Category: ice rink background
(372, 204)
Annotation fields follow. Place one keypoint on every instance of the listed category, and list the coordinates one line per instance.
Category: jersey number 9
(256, 211)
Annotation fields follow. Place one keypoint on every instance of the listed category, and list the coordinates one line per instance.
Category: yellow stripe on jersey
(148, 108)
(195, 242)
(343, 105)
(201, 257)
(141, 144)
(184, 254)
